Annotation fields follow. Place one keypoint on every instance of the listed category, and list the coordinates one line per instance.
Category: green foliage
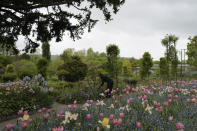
(42, 65)
(146, 65)
(24, 56)
(169, 41)
(113, 62)
(10, 68)
(53, 66)
(126, 68)
(192, 51)
(9, 77)
(163, 68)
(72, 70)
(17, 96)
(25, 68)
(113, 65)
(174, 67)
(55, 22)
(5, 60)
(66, 55)
(46, 51)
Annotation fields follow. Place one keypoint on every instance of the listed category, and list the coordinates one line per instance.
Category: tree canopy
(42, 20)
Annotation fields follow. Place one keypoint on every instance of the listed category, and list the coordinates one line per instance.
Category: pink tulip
(44, 109)
(30, 120)
(111, 117)
(88, 116)
(121, 115)
(130, 100)
(69, 107)
(101, 115)
(75, 102)
(39, 111)
(48, 110)
(165, 104)
(25, 112)
(138, 124)
(75, 106)
(169, 101)
(119, 121)
(170, 96)
(159, 109)
(46, 116)
(170, 118)
(20, 112)
(127, 92)
(121, 95)
(176, 97)
(59, 115)
(9, 127)
(115, 122)
(24, 125)
(179, 126)
(115, 102)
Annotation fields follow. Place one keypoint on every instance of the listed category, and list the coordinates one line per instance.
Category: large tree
(47, 19)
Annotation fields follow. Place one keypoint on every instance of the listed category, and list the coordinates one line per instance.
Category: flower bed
(27, 95)
(143, 108)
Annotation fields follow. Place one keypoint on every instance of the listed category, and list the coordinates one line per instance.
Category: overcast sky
(138, 27)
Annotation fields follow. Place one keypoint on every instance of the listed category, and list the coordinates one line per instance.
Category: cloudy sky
(138, 27)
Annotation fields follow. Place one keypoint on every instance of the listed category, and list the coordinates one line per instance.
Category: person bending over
(109, 82)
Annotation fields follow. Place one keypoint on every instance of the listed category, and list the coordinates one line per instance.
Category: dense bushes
(27, 95)
(72, 70)
(25, 68)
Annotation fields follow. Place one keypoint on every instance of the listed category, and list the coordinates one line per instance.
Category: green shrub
(42, 65)
(9, 77)
(10, 68)
(25, 68)
(72, 70)
(15, 96)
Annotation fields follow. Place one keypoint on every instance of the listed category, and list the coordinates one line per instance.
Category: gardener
(109, 82)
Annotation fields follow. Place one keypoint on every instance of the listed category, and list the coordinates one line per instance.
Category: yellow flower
(193, 99)
(25, 118)
(105, 123)
(149, 108)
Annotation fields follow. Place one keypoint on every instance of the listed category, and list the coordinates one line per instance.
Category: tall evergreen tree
(146, 65)
(46, 51)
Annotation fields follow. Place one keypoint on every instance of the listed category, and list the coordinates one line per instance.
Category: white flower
(111, 106)
(101, 103)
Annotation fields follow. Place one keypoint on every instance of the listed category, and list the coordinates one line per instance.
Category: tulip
(101, 115)
(9, 127)
(88, 116)
(121, 115)
(24, 125)
(138, 124)
(111, 117)
(179, 126)
(20, 112)
(46, 116)
(170, 118)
